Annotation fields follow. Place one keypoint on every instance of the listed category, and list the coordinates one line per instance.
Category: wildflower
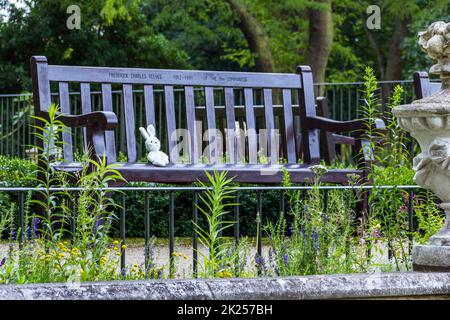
(13, 234)
(286, 259)
(36, 226)
(2, 263)
(260, 263)
(319, 170)
(115, 242)
(377, 233)
(277, 272)
(124, 246)
(315, 240)
(353, 177)
(28, 233)
(324, 216)
(225, 274)
(289, 233)
(96, 225)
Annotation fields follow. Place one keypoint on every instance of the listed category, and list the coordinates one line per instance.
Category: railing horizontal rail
(256, 188)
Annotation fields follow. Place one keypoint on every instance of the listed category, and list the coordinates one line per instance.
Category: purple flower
(2, 262)
(377, 233)
(28, 233)
(13, 234)
(96, 225)
(286, 259)
(35, 226)
(324, 216)
(315, 240)
(124, 272)
(289, 233)
(260, 263)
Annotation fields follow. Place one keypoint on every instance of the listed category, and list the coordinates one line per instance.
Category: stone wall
(355, 286)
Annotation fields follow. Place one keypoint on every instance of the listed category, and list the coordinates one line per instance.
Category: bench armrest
(105, 120)
(326, 124)
(96, 123)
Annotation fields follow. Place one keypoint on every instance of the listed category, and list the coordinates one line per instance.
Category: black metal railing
(259, 191)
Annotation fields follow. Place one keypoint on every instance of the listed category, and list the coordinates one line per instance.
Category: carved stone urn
(428, 121)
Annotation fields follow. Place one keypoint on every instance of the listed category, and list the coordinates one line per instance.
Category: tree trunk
(320, 40)
(256, 37)
(395, 53)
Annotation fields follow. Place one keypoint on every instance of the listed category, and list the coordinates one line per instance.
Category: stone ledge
(353, 286)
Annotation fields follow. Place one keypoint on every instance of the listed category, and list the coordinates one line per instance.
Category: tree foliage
(208, 34)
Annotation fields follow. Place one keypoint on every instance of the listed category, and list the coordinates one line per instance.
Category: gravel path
(135, 254)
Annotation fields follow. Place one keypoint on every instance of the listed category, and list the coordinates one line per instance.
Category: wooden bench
(423, 87)
(245, 167)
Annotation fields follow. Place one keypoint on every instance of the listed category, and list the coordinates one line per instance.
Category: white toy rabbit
(152, 144)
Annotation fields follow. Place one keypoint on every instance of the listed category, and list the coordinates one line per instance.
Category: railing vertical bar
(7, 125)
(171, 234)
(236, 220)
(282, 204)
(349, 105)
(122, 234)
(147, 231)
(410, 219)
(195, 236)
(1, 128)
(21, 219)
(259, 217)
(73, 221)
(325, 201)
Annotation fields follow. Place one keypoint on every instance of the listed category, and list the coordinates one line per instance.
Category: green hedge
(16, 172)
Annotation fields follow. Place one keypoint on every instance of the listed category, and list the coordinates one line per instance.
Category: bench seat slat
(243, 173)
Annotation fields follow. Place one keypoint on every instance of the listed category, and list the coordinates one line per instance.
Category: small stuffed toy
(152, 144)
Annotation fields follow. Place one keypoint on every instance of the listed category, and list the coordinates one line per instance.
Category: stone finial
(436, 42)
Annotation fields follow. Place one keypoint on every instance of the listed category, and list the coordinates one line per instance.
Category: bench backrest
(294, 91)
(423, 87)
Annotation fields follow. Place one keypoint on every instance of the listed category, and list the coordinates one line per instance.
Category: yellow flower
(124, 246)
(115, 242)
(224, 274)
